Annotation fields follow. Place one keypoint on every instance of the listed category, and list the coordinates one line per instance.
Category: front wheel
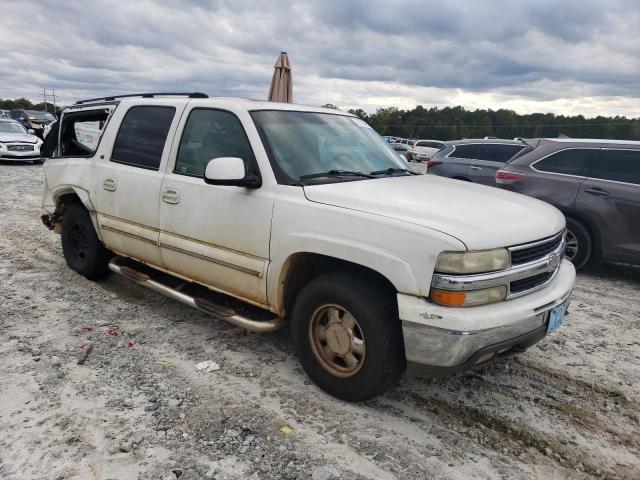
(347, 335)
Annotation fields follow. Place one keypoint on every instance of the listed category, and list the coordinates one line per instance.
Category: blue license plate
(556, 316)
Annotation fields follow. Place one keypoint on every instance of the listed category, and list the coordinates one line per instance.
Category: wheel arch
(64, 196)
(589, 225)
(302, 267)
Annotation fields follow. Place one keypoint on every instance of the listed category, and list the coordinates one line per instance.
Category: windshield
(39, 115)
(11, 127)
(304, 144)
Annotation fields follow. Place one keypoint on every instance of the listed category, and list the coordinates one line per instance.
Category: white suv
(423, 150)
(259, 212)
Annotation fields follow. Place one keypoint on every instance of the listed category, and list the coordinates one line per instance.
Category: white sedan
(16, 143)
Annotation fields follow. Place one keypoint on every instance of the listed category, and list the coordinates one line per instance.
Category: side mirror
(31, 131)
(230, 171)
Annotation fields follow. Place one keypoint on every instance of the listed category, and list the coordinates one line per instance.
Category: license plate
(556, 316)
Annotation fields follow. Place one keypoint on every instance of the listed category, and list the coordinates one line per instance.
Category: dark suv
(474, 160)
(595, 183)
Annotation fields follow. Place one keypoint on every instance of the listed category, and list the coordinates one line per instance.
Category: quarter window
(142, 136)
(498, 152)
(619, 166)
(466, 151)
(575, 161)
(211, 134)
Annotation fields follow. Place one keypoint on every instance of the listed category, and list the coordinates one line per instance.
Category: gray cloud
(533, 54)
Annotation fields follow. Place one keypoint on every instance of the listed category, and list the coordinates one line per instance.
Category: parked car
(595, 183)
(33, 119)
(401, 148)
(18, 144)
(474, 160)
(195, 197)
(423, 150)
(4, 114)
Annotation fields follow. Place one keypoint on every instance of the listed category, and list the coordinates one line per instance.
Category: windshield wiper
(336, 173)
(391, 171)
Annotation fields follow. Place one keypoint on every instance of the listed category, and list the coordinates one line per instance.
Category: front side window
(211, 134)
(619, 166)
(575, 161)
(308, 143)
(142, 135)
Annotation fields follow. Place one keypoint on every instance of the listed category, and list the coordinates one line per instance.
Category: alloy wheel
(337, 340)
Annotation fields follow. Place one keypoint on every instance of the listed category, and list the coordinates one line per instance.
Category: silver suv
(475, 160)
(595, 183)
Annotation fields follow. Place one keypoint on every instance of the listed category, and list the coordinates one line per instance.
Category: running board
(199, 302)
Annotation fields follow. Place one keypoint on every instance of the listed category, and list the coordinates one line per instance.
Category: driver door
(215, 235)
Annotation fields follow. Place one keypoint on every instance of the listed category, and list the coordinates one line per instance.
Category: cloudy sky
(562, 56)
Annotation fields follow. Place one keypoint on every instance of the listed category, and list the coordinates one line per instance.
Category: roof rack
(145, 95)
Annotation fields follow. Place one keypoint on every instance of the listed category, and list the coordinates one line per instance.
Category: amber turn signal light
(449, 299)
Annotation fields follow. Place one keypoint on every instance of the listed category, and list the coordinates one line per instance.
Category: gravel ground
(137, 407)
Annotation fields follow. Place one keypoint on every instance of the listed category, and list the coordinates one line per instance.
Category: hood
(18, 137)
(479, 216)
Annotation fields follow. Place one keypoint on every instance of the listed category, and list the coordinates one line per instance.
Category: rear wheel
(81, 246)
(347, 335)
(579, 244)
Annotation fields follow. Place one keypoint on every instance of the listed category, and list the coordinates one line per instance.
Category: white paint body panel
(242, 241)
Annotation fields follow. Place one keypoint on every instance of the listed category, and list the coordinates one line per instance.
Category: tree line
(452, 123)
(25, 104)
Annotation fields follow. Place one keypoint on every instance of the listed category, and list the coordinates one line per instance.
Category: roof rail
(145, 95)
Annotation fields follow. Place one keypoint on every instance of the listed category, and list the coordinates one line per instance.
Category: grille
(20, 148)
(519, 286)
(529, 254)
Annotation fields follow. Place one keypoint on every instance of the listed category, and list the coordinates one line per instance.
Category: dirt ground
(138, 408)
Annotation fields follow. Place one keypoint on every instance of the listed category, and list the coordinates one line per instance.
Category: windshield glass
(39, 115)
(308, 143)
(11, 127)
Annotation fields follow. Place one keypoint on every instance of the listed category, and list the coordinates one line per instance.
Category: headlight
(480, 261)
(471, 298)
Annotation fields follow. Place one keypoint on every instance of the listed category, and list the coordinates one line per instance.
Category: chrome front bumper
(482, 333)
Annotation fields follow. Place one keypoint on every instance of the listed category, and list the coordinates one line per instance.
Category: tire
(375, 341)
(39, 161)
(579, 243)
(82, 249)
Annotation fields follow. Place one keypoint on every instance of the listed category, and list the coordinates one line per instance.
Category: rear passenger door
(130, 175)
(557, 177)
(611, 198)
(490, 158)
(456, 163)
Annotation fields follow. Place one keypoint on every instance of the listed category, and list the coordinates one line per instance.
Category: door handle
(472, 167)
(171, 196)
(109, 184)
(596, 191)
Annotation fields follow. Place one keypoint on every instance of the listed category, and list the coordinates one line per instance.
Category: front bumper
(20, 156)
(445, 340)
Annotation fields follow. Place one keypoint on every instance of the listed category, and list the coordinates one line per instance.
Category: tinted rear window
(619, 166)
(575, 161)
(466, 151)
(142, 136)
(498, 153)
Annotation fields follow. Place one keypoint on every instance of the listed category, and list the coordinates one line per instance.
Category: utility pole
(52, 95)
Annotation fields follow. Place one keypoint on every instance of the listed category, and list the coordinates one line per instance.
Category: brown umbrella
(281, 88)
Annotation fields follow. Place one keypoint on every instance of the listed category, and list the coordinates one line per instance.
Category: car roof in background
(502, 141)
(602, 141)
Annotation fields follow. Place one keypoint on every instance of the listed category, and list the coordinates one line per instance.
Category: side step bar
(225, 313)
